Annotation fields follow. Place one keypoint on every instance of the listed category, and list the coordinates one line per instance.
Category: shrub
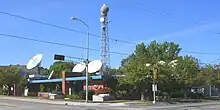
(164, 94)
(42, 88)
(178, 94)
(75, 96)
(196, 95)
(1, 92)
(104, 90)
(33, 94)
(83, 94)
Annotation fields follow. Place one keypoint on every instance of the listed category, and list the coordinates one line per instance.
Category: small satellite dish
(34, 61)
(79, 67)
(94, 66)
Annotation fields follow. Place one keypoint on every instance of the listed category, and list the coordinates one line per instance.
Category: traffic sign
(154, 87)
(59, 57)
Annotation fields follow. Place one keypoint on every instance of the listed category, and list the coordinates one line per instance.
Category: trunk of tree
(142, 96)
(185, 95)
(185, 92)
(169, 96)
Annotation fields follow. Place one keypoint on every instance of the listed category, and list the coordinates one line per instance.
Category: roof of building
(67, 79)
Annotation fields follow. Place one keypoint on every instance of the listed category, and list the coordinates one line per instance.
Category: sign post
(154, 89)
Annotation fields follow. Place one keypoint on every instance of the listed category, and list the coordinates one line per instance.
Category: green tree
(10, 76)
(135, 65)
(216, 75)
(205, 75)
(45, 71)
(114, 71)
(187, 68)
(127, 60)
(168, 80)
(60, 66)
(137, 71)
(124, 89)
(167, 52)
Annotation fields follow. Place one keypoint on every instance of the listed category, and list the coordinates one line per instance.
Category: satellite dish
(94, 66)
(79, 67)
(34, 61)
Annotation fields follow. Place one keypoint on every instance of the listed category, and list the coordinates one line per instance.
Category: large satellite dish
(34, 61)
(79, 67)
(94, 66)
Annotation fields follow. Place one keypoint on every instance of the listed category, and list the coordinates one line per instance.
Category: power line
(61, 27)
(74, 46)
(214, 61)
(201, 53)
(164, 14)
(211, 62)
(56, 43)
(79, 58)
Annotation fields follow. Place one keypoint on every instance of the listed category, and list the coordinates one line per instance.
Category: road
(21, 105)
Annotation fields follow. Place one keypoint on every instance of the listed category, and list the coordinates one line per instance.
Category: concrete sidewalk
(60, 102)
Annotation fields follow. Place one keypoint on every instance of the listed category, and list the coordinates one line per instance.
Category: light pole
(155, 74)
(87, 54)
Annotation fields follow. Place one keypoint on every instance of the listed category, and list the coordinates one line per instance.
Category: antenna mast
(105, 56)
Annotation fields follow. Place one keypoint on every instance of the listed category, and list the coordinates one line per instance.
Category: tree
(205, 75)
(167, 52)
(114, 71)
(45, 71)
(168, 80)
(127, 60)
(216, 76)
(10, 76)
(187, 68)
(60, 66)
(135, 65)
(136, 69)
(124, 89)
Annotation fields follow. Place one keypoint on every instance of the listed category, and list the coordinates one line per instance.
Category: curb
(45, 101)
(185, 105)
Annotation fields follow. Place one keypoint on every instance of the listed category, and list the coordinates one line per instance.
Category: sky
(194, 25)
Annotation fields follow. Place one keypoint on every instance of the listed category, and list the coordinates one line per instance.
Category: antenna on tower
(105, 56)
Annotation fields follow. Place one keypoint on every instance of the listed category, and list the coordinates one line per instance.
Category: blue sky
(192, 24)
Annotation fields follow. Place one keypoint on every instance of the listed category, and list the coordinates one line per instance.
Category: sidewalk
(46, 101)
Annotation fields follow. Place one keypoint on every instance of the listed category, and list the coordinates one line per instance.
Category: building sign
(93, 87)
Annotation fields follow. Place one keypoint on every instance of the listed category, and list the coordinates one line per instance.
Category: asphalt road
(19, 105)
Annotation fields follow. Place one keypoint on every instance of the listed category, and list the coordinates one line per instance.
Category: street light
(87, 54)
(173, 63)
